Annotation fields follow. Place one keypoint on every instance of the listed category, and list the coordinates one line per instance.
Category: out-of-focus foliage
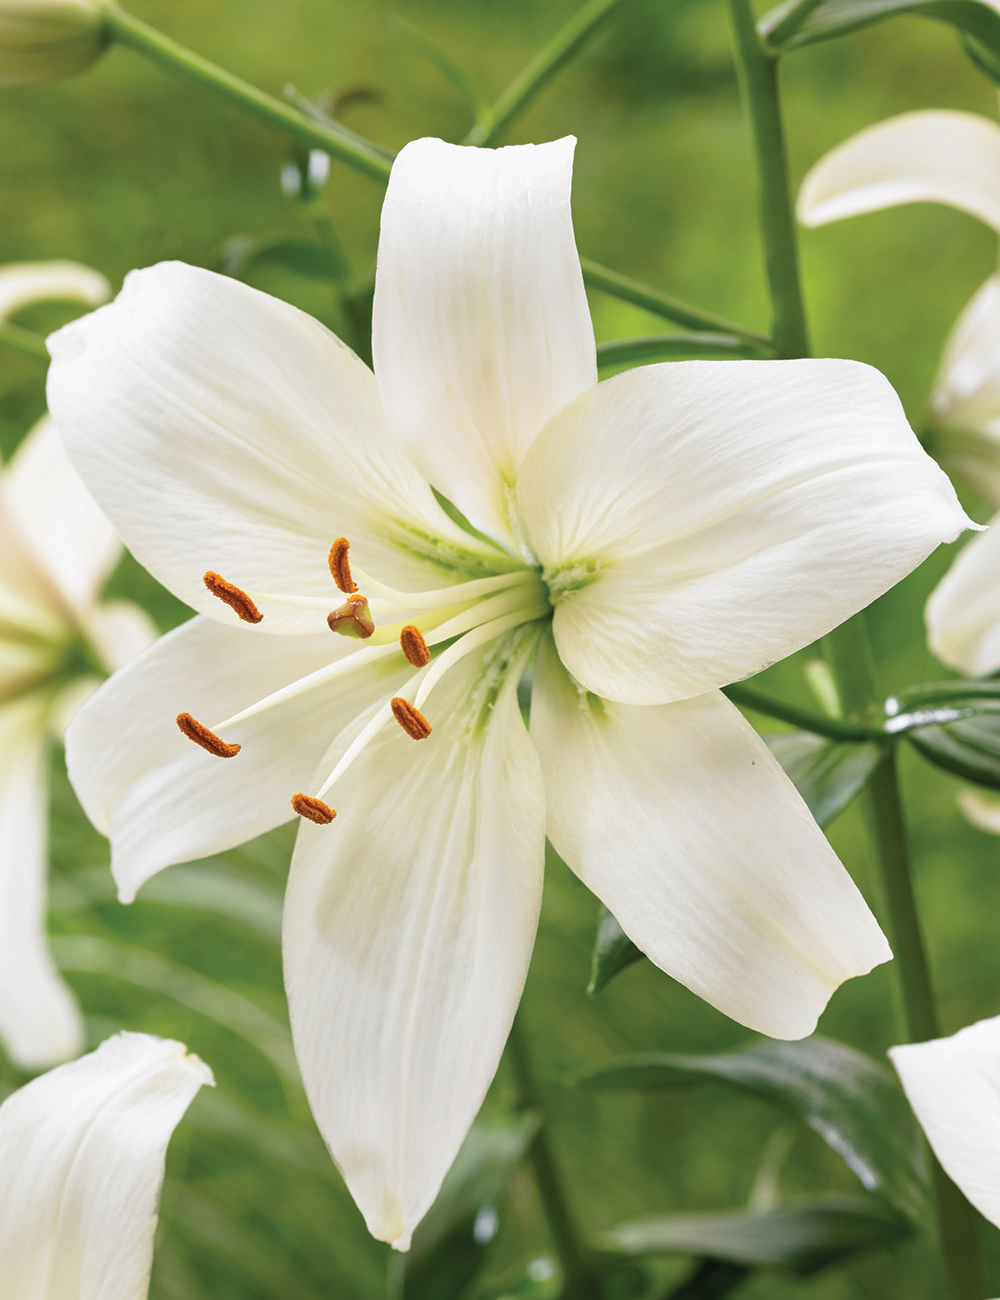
(123, 167)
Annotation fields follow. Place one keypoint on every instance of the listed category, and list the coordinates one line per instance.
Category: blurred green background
(123, 167)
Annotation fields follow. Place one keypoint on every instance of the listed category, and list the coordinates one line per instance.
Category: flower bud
(42, 40)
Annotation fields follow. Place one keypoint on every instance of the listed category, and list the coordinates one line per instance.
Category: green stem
(546, 63)
(336, 140)
(661, 304)
(833, 728)
(782, 23)
(758, 73)
(682, 343)
(848, 646)
(16, 336)
(580, 1280)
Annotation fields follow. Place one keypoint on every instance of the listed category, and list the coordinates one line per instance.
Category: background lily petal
(707, 518)
(40, 1021)
(24, 283)
(953, 1085)
(481, 327)
(963, 612)
(931, 156)
(81, 1164)
(222, 429)
(408, 929)
(685, 826)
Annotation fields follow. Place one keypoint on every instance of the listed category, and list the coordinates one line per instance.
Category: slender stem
(546, 63)
(848, 646)
(24, 340)
(661, 304)
(581, 1281)
(833, 728)
(336, 140)
(758, 73)
(782, 23)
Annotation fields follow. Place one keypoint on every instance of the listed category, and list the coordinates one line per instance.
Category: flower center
(446, 624)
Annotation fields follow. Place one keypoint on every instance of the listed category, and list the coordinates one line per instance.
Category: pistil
(353, 619)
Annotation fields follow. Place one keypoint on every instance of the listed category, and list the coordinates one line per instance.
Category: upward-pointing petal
(23, 283)
(932, 156)
(963, 612)
(81, 1164)
(481, 327)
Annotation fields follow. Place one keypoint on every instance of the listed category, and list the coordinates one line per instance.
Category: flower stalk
(848, 646)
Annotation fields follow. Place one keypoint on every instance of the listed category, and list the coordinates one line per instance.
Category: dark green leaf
(969, 747)
(852, 1102)
(681, 343)
(451, 1240)
(826, 773)
(710, 1280)
(613, 951)
(838, 17)
(307, 257)
(804, 1236)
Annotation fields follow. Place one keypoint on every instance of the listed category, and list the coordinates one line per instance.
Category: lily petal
(81, 1164)
(40, 1021)
(953, 1085)
(24, 283)
(931, 156)
(221, 429)
(481, 328)
(982, 810)
(119, 630)
(58, 519)
(163, 800)
(680, 820)
(409, 925)
(699, 520)
(963, 612)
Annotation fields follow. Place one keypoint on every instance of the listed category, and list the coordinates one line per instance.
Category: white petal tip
(402, 1243)
(126, 895)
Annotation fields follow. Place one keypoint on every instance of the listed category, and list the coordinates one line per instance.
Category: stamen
(413, 646)
(480, 636)
(200, 734)
(441, 597)
(235, 597)
(410, 719)
(340, 566)
(313, 809)
(353, 618)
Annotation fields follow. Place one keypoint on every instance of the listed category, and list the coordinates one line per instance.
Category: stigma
(353, 618)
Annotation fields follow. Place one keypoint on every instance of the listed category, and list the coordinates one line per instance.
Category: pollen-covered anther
(208, 740)
(233, 596)
(410, 719)
(340, 566)
(413, 646)
(353, 618)
(313, 809)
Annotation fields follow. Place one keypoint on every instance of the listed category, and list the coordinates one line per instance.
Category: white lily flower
(654, 536)
(42, 40)
(82, 1150)
(953, 1085)
(56, 550)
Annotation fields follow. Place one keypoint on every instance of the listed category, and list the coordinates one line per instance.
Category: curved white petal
(221, 429)
(966, 393)
(58, 519)
(481, 327)
(963, 612)
(24, 283)
(953, 1085)
(931, 156)
(409, 924)
(81, 1164)
(163, 800)
(40, 1022)
(699, 520)
(981, 809)
(682, 822)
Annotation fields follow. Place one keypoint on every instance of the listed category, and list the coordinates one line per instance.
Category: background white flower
(655, 537)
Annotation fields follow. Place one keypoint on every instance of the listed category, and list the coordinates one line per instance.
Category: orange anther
(410, 719)
(340, 566)
(313, 809)
(413, 646)
(200, 734)
(233, 596)
(353, 618)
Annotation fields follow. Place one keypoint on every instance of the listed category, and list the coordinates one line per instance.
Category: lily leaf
(969, 747)
(307, 257)
(613, 951)
(826, 773)
(802, 1236)
(451, 1241)
(838, 17)
(646, 348)
(851, 1101)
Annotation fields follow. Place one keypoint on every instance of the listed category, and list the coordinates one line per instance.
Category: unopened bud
(42, 40)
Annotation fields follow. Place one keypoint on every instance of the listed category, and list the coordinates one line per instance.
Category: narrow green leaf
(968, 747)
(613, 951)
(838, 17)
(851, 1101)
(450, 1243)
(25, 340)
(663, 347)
(826, 773)
(446, 65)
(802, 1236)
